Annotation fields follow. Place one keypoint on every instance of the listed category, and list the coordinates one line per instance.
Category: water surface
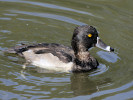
(53, 21)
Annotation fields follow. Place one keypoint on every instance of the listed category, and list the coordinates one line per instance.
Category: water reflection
(82, 84)
(110, 57)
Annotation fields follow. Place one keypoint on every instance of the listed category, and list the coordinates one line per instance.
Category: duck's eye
(89, 35)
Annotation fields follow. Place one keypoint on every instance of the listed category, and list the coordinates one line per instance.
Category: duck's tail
(11, 50)
(16, 49)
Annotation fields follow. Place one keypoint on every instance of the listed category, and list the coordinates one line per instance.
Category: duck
(61, 58)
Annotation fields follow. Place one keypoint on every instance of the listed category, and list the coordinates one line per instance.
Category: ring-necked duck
(58, 57)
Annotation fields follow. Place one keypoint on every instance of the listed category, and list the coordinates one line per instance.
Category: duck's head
(85, 37)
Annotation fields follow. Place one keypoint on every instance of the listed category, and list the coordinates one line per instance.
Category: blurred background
(53, 21)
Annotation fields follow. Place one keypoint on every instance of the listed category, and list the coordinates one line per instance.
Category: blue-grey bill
(100, 44)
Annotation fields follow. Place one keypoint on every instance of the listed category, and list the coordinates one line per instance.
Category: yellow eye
(89, 35)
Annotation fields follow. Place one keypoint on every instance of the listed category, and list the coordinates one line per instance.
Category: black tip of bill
(111, 49)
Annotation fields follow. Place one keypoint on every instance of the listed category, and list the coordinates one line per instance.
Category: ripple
(23, 87)
(97, 94)
(5, 31)
(101, 69)
(5, 95)
(52, 16)
(51, 6)
(121, 96)
(10, 14)
(32, 20)
(7, 82)
(5, 18)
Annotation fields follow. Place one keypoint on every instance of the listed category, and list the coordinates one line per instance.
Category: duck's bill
(102, 45)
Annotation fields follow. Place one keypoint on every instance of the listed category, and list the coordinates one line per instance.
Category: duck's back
(49, 56)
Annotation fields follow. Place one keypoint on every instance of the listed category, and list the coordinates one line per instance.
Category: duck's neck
(84, 62)
(82, 53)
(82, 56)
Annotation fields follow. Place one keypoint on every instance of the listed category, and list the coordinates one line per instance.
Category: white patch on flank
(47, 61)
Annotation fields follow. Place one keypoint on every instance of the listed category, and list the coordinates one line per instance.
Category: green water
(53, 21)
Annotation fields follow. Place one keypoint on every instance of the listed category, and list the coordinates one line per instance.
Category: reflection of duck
(62, 58)
(81, 84)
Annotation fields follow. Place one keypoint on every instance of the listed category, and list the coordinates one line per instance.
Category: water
(32, 21)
